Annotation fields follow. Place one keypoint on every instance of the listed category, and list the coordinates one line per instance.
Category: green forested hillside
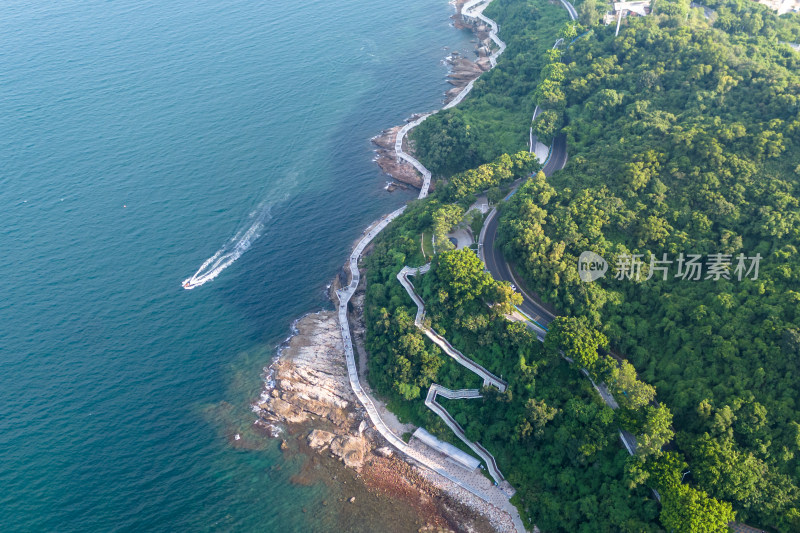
(495, 118)
(552, 436)
(685, 138)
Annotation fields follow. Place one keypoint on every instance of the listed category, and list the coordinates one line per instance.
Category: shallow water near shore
(137, 139)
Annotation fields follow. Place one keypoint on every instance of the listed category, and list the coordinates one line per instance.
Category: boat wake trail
(233, 249)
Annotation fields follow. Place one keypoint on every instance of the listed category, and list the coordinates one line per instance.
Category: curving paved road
(531, 307)
(493, 257)
(473, 9)
(570, 9)
(539, 316)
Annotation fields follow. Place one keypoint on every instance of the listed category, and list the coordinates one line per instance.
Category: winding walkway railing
(488, 377)
(345, 295)
(570, 9)
(436, 389)
(398, 148)
(464, 394)
(472, 9)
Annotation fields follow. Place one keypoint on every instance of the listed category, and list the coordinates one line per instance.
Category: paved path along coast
(492, 495)
(472, 10)
(498, 495)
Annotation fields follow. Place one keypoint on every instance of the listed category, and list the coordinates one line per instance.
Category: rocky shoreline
(462, 72)
(395, 168)
(307, 403)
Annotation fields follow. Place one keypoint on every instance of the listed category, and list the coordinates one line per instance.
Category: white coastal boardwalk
(473, 483)
(398, 148)
(492, 495)
(435, 389)
(423, 455)
(441, 342)
(474, 10)
(471, 10)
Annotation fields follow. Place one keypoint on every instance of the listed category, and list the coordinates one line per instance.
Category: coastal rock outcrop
(307, 393)
(385, 157)
(310, 381)
(311, 386)
(351, 450)
(319, 439)
(463, 72)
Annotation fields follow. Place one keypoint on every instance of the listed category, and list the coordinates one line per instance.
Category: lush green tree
(589, 13)
(656, 430)
(666, 471)
(546, 125)
(576, 340)
(501, 171)
(445, 147)
(462, 277)
(445, 219)
(686, 510)
(505, 298)
(626, 387)
(679, 145)
(537, 415)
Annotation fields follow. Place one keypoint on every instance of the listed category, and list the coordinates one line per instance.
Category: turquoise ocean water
(137, 140)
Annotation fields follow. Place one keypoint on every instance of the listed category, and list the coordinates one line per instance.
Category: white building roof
(640, 8)
(781, 6)
(451, 451)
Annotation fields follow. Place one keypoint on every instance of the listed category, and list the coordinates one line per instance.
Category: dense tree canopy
(684, 168)
(495, 118)
(684, 173)
(501, 171)
(575, 340)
